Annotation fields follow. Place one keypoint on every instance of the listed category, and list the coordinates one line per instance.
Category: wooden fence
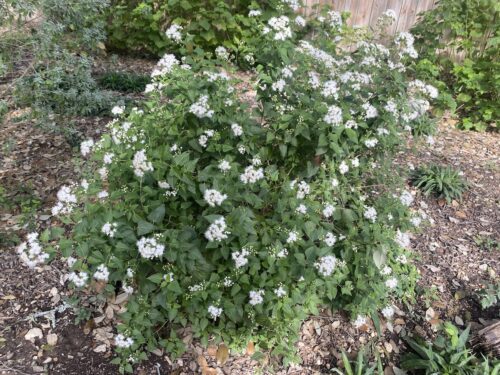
(366, 12)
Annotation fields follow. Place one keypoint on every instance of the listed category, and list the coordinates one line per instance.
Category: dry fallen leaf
(222, 354)
(9, 297)
(212, 350)
(250, 348)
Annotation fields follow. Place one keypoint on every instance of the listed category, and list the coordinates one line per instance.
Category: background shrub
(124, 81)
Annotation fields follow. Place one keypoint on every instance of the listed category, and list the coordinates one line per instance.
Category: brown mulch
(454, 256)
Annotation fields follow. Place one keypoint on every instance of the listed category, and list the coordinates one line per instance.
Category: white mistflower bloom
(328, 211)
(214, 197)
(335, 19)
(330, 89)
(84, 184)
(79, 279)
(330, 239)
(303, 189)
(314, 80)
(217, 230)
(254, 13)
(240, 258)
(242, 149)
(127, 289)
(351, 124)
(300, 21)
(404, 41)
(130, 273)
(103, 173)
(293, 236)
(279, 85)
(382, 131)
(343, 168)
(102, 194)
(166, 64)
(402, 259)
(256, 297)
(406, 198)
(86, 147)
(141, 164)
(31, 252)
(117, 110)
(221, 53)
(370, 143)
(370, 111)
(227, 282)
(370, 213)
(355, 162)
(149, 248)
(200, 108)
(224, 166)
(280, 26)
(360, 321)
(123, 342)
(256, 161)
(326, 265)
(388, 312)
(214, 311)
(386, 271)
(174, 33)
(402, 239)
(237, 130)
(280, 292)
(391, 283)
(416, 221)
(334, 182)
(282, 253)
(333, 116)
(108, 158)
(301, 209)
(102, 273)
(252, 175)
(391, 14)
(66, 201)
(109, 229)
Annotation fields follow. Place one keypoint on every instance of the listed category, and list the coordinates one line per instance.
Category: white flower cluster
(109, 229)
(388, 312)
(149, 248)
(31, 252)
(360, 321)
(301, 209)
(203, 140)
(224, 166)
(214, 311)
(256, 297)
(402, 239)
(214, 197)
(423, 88)
(222, 53)
(217, 230)
(79, 279)
(355, 79)
(280, 291)
(66, 201)
(330, 89)
(251, 175)
(406, 198)
(141, 164)
(174, 33)
(303, 189)
(343, 167)
(326, 265)
(293, 236)
(170, 191)
(405, 43)
(330, 239)
(254, 13)
(294, 4)
(123, 342)
(317, 54)
(335, 19)
(333, 116)
(391, 283)
(117, 110)
(370, 111)
(166, 64)
(237, 130)
(279, 85)
(86, 147)
(328, 211)
(280, 26)
(102, 273)
(200, 108)
(370, 143)
(240, 257)
(370, 214)
(300, 21)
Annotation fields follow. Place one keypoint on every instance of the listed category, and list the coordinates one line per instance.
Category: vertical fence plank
(378, 7)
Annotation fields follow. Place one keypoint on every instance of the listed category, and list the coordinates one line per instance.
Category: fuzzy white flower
(370, 143)
(102, 194)
(326, 265)
(279, 85)
(303, 189)
(280, 26)
(102, 273)
(108, 158)
(330, 239)
(256, 297)
(301, 209)
(109, 229)
(328, 211)
(334, 182)
(117, 110)
(330, 89)
(386, 271)
(149, 248)
(79, 279)
(333, 116)
(174, 33)
(370, 111)
(300, 21)
(391, 283)
(237, 130)
(224, 166)
(282, 253)
(123, 342)
(402, 239)
(343, 167)
(165, 65)
(141, 164)
(254, 13)
(86, 146)
(251, 175)
(360, 321)
(388, 312)
(370, 213)
(66, 201)
(406, 198)
(214, 311)
(280, 292)
(214, 197)
(31, 252)
(240, 258)
(217, 231)
(200, 108)
(293, 236)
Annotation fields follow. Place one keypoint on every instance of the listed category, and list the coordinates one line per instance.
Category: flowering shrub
(240, 222)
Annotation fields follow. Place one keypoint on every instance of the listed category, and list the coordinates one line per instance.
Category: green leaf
(144, 227)
(157, 278)
(157, 215)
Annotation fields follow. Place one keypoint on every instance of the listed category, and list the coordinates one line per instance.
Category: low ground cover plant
(124, 81)
(440, 181)
(239, 219)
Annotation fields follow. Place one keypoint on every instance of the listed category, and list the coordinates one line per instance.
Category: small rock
(336, 324)
(38, 369)
(52, 339)
(100, 349)
(459, 321)
(33, 333)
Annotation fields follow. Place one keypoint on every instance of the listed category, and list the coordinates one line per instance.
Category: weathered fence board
(366, 12)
